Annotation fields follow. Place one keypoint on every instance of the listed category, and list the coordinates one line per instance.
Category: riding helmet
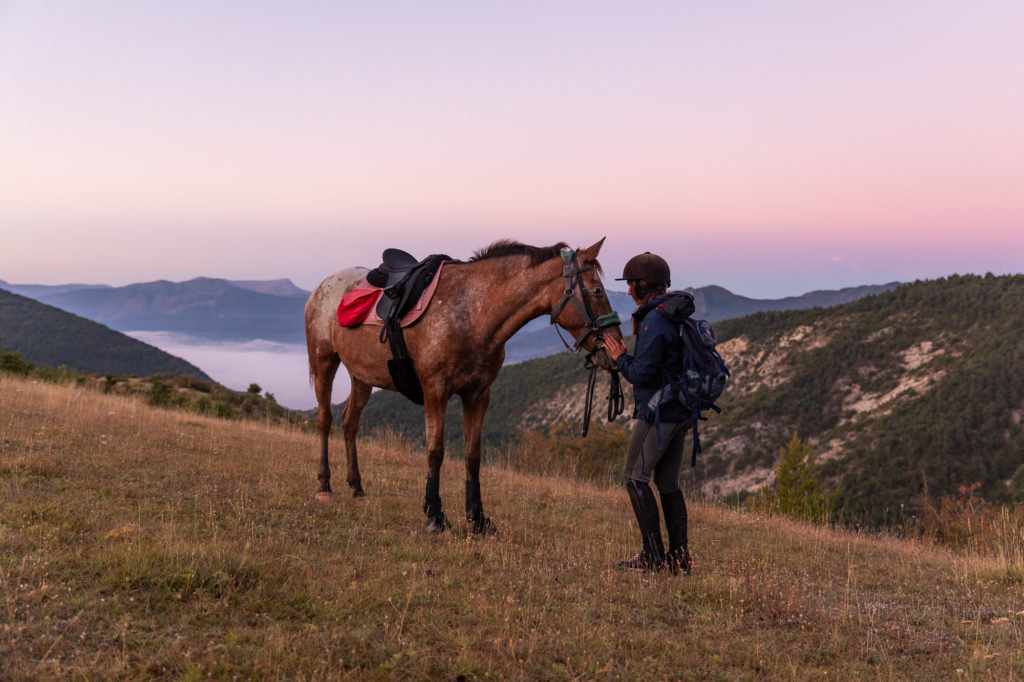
(649, 267)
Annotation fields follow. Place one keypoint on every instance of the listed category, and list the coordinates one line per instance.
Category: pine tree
(796, 492)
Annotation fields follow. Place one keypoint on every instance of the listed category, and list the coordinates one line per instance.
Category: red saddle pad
(356, 305)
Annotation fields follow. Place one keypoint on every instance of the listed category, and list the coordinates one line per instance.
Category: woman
(656, 446)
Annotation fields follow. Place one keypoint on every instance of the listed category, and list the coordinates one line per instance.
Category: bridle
(576, 293)
(592, 326)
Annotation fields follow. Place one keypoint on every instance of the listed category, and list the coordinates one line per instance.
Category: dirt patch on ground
(870, 402)
(832, 449)
(914, 382)
(750, 480)
(773, 366)
(732, 349)
(566, 405)
(921, 354)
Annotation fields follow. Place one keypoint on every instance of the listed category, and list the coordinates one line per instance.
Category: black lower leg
(436, 521)
(674, 507)
(479, 523)
(648, 519)
(474, 505)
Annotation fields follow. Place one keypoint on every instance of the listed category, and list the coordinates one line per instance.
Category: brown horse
(458, 347)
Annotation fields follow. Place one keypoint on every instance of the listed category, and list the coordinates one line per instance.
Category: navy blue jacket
(656, 357)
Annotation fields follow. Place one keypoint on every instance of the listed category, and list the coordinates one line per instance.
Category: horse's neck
(510, 294)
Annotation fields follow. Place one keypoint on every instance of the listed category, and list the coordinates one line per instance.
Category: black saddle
(403, 279)
(395, 265)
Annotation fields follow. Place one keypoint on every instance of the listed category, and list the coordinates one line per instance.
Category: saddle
(404, 279)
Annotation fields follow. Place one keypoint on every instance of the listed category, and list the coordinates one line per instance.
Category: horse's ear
(594, 249)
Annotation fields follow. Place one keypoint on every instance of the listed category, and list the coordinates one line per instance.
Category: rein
(616, 399)
(573, 274)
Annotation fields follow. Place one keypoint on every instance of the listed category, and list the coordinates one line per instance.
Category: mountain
(274, 287)
(905, 395)
(242, 310)
(203, 307)
(41, 291)
(45, 335)
(713, 303)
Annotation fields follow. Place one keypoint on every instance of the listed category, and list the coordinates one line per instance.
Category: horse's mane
(508, 247)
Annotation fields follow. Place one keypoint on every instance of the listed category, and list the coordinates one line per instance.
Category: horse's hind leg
(323, 368)
(350, 426)
(473, 410)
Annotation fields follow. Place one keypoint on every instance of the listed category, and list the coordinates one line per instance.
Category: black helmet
(649, 267)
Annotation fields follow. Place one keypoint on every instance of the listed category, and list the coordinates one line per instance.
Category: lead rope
(616, 399)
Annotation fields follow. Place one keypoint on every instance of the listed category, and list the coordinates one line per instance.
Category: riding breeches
(644, 459)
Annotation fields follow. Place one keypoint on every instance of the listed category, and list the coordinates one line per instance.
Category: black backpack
(704, 373)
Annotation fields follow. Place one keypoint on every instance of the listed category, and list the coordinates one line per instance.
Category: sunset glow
(770, 149)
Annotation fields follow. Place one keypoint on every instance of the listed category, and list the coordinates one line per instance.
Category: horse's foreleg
(434, 409)
(473, 410)
(350, 426)
(323, 371)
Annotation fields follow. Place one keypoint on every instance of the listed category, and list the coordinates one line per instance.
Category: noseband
(592, 326)
(573, 274)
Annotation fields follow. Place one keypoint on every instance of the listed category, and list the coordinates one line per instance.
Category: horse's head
(580, 304)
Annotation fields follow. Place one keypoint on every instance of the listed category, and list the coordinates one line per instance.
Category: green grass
(140, 543)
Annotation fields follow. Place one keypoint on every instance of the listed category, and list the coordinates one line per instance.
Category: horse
(457, 346)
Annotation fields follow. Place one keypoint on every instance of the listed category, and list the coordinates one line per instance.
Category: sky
(772, 148)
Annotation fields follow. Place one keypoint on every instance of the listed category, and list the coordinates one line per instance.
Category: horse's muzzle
(602, 359)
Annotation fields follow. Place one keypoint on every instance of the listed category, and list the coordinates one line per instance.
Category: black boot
(652, 557)
(674, 508)
(436, 520)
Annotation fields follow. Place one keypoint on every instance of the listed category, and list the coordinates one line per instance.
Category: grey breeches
(643, 459)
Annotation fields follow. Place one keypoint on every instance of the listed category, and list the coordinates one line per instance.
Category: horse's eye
(598, 292)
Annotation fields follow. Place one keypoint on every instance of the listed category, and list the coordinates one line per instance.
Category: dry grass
(138, 543)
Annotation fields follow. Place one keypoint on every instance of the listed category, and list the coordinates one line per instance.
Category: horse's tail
(312, 313)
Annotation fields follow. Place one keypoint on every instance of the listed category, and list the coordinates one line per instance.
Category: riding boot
(480, 524)
(652, 557)
(436, 521)
(674, 507)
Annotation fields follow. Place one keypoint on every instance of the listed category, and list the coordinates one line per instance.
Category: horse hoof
(436, 525)
(323, 496)
(484, 526)
(358, 492)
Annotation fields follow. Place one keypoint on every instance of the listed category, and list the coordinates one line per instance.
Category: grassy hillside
(905, 395)
(45, 335)
(141, 543)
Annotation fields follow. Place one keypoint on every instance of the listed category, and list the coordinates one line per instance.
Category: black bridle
(592, 326)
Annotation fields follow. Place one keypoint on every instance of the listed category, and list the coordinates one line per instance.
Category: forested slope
(45, 335)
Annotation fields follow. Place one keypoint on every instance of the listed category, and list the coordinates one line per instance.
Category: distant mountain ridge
(243, 310)
(274, 287)
(41, 291)
(48, 336)
(713, 303)
(205, 307)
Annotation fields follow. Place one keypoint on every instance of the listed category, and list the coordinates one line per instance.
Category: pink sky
(771, 148)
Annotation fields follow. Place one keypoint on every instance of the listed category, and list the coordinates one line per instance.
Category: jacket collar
(640, 313)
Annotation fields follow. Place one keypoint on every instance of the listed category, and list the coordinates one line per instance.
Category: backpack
(704, 374)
